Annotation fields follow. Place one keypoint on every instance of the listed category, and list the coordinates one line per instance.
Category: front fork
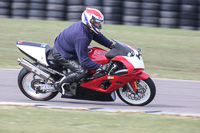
(133, 84)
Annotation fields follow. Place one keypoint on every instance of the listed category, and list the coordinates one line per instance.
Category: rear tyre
(25, 79)
(144, 95)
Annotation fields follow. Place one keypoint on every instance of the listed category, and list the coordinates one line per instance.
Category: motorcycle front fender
(142, 75)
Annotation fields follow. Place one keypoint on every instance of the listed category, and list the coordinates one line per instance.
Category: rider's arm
(101, 39)
(81, 46)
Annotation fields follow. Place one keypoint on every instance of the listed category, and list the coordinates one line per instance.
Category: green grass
(168, 53)
(37, 120)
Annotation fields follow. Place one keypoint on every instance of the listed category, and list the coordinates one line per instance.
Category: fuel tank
(98, 55)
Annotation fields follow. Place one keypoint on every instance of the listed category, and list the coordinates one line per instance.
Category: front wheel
(143, 96)
(27, 82)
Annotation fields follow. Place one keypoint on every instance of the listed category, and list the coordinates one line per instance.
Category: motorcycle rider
(71, 48)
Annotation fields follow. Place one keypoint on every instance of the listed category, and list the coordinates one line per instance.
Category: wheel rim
(26, 83)
(144, 94)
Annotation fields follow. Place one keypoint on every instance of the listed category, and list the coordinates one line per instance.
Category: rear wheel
(143, 96)
(28, 83)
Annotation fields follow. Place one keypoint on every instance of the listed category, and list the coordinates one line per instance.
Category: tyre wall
(183, 14)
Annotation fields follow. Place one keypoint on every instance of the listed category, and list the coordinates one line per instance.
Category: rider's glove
(104, 68)
(112, 46)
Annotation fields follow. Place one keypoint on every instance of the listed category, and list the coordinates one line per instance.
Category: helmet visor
(97, 23)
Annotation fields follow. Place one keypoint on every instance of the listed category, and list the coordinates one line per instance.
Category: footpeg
(68, 90)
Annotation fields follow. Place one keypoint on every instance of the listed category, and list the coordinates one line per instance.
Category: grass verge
(16, 119)
(168, 53)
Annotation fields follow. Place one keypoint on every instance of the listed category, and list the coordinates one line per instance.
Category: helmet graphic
(93, 18)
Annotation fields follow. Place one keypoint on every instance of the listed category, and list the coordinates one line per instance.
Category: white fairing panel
(36, 52)
(136, 61)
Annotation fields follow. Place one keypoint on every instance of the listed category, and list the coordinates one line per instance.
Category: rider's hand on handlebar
(112, 46)
(104, 68)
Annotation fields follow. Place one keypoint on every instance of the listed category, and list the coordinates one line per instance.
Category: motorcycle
(125, 75)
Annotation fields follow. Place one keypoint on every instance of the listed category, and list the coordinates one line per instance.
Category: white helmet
(93, 19)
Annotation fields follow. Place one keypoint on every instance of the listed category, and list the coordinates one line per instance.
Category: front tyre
(25, 83)
(143, 96)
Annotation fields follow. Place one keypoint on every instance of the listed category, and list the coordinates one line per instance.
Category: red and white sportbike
(125, 76)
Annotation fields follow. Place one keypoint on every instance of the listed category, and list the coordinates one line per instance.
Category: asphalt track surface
(179, 96)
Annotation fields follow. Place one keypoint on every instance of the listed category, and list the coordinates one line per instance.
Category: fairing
(133, 63)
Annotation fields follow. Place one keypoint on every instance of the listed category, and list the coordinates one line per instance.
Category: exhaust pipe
(29, 66)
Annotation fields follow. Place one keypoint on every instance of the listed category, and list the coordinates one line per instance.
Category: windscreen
(120, 49)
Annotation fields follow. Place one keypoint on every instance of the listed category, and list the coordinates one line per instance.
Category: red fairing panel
(117, 82)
